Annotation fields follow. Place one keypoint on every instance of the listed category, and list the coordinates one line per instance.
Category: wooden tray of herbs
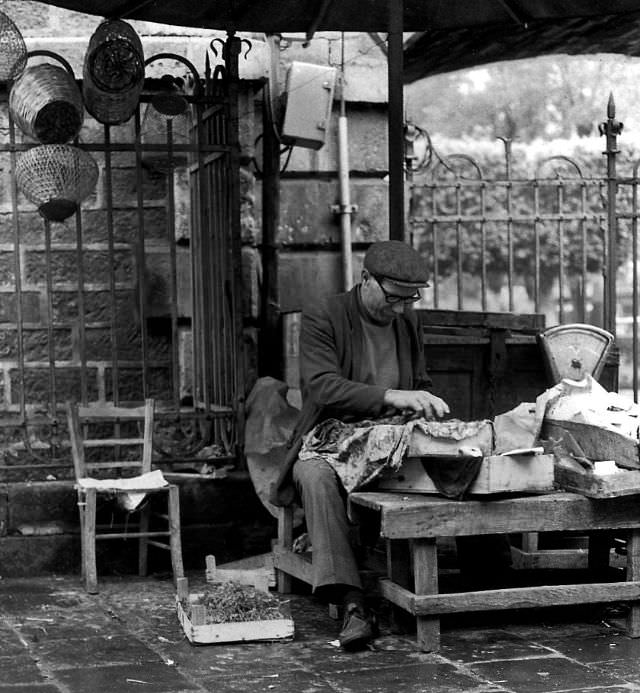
(234, 606)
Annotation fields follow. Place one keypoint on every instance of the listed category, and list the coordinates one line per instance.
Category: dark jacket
(331, 342)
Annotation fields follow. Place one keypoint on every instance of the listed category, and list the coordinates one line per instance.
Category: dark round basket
(46, 104)
(56, 177)
(113, 72)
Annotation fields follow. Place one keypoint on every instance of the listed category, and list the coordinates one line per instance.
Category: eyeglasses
(395, 298)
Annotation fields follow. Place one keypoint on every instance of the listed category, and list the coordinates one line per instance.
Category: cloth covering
(128, 491)
(452, 478)
(359, 451)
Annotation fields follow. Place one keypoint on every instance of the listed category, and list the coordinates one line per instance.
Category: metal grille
(135, 296)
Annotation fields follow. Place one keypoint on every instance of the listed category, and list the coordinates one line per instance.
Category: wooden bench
(416, 521)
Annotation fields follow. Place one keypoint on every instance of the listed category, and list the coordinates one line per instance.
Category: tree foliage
(556, 96)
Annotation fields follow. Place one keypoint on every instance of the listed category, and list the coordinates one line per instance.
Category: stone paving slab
(54, 638)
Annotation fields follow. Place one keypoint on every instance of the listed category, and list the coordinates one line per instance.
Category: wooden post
(285, 541)
(633, 574)
(270, 362)
(399, 572)
(425, 570)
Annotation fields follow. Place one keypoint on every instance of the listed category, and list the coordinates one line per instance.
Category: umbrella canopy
(436, 51)
(277, 16)
(488, 27)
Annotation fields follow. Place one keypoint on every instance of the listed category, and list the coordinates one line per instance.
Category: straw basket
(113, 72)
(13, 51)
(56, 177)
(46, 104)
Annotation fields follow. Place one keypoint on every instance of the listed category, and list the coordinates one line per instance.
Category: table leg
(425, 571)
(399, 571)
(633, 574)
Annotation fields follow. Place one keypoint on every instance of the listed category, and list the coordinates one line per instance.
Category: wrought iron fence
(556, 236)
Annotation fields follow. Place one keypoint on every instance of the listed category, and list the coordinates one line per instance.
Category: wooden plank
(262, 561)
(421, 443)
(413, 515)
(497, 474)
(470, 318)
(257, 577)
(294, 564)
(514, 598)
(597, 443)
(549, 559)
(622, 483)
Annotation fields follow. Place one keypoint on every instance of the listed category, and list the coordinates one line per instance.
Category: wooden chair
(102, 438)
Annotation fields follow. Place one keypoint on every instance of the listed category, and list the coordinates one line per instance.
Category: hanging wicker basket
(168, 114)
(46, 103)
(13, 50)
(113, 72)
(56, 177)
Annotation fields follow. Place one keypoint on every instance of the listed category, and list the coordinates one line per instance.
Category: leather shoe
(358, 628)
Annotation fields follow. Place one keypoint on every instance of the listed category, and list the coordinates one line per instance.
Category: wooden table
(421, 519)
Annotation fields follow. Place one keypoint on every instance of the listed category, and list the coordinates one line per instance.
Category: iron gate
(561, 241)
(137, 294)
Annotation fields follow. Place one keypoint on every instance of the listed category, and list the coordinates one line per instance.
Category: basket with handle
(13, 50)
(168, 115)
(113, 73)
(46, 103)
(56, 177)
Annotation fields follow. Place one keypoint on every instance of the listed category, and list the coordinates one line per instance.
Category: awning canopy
(456, 34)
(436, 51)
(278, 16)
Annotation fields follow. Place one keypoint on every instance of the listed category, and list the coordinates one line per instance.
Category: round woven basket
(13, 50)
(46, 104)
(113, 72)
(56, 177)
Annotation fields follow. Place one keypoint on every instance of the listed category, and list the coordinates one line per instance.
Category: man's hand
(419, 401)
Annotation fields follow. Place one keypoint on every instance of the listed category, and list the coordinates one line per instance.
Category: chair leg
(82, 504)
(174, 534)
(89, 542)
(143, 542)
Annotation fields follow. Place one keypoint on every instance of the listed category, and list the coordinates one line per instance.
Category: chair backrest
(111, 441)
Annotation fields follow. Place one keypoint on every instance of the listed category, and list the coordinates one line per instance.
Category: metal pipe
(345, 200)
(345, 209)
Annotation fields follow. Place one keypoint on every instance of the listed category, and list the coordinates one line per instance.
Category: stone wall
(38, 522)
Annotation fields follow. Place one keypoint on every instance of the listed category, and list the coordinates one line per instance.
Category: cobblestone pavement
(55, 638)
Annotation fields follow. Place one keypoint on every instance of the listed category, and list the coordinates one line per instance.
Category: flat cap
(398, 262)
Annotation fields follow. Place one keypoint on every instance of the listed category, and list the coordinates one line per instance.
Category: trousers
(324, 504)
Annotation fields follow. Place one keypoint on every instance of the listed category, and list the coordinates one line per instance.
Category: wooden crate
(570, 476)
(595, 442)
(498, 474)
(195, 625)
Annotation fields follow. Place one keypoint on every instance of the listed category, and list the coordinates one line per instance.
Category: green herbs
(233, 601)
